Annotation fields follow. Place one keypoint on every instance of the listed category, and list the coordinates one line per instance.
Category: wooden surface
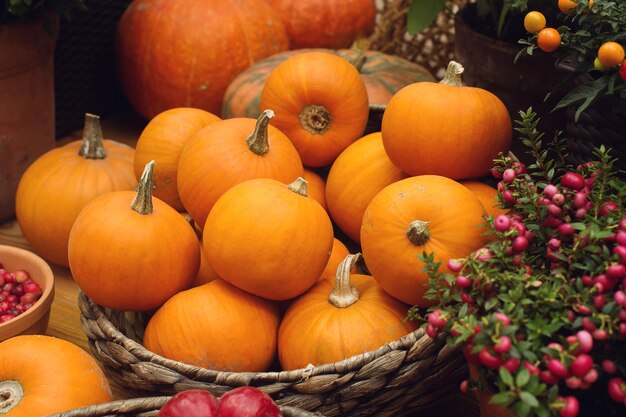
(65, 316)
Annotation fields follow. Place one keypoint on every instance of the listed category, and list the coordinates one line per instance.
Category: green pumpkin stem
(299, 186)
(344, 294)
(418, 232)
(453, 74)
(11, 393)
(142, 203)
(258, 141)
(93, 145)
(359, 59)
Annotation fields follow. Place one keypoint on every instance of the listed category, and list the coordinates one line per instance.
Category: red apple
(190, 403)
(247, 402)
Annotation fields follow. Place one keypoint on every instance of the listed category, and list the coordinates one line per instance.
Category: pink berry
(503, 345)
(463, 386)
(573, 181)
(616, 271)
(610, 367)
(580, 200)
(430, 331)
(554, 210)
(622, 224)
(573, 382)
(581, 365)
(496, 174)
(566, 229)
(463, 282)
(508, 197)
(620, 238)
(557, 368)
(520, 243)
(455, 265)
(607, 207)
(488, 359)
(617, 389)
(503, 318)
(532, 368)
(511, 364)
(548, 378)
(435, 319)
(580, 213)
(571, 407)
(550, 190)
(558, 199)
(519, 167)
(508, 175)
(586, 341)
(502, 223)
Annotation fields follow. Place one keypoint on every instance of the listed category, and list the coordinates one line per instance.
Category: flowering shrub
(541, 310)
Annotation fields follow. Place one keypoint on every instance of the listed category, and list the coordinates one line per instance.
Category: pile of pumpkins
(225, 229)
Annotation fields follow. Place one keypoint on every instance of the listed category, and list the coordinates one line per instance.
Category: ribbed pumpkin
(184, 54)
(487, 195)
(335, 321)
(337, 254)
(268, 238)
(162, 140)
(57, 185)
(42, 375)
(382, 74)
(316, 186)
(356, 176)
(416, 215)
(320, 102)
(130, 251)
(325, 23)
(215, 326)
(229, 152)
(446, 128)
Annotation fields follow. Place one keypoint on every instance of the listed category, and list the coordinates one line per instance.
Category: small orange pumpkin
(130, 251)
(229, 152)
(56, 187)
(316, 186)
(487, 195)
(445, 128)
(268, 238)
(337, 254)
(416, 215)
(42, 375)
(162, 141)
(212, 326)
(321, 104)
(334, 322)
(356, 176)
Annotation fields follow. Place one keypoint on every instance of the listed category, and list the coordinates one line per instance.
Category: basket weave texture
(149, 407)
(433, 47)
(411, 374)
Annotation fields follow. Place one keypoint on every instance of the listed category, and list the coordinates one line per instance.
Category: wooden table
(65, 316)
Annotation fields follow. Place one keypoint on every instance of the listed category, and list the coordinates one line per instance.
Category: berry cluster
(541, 310)
(18, 293)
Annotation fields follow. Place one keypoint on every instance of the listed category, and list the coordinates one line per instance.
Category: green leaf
(529, 399)
(503, 398)
(522, 377)
(506, 376)
(585, 93)
(422, 13)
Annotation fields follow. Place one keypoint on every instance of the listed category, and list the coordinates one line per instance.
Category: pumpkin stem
(418, 232)
(93, 145)
(315, 119)
(358, 60)
(344, 294)
(142, 203)
(453, 74)
(11, 394)
(299, 186)
(258, 141)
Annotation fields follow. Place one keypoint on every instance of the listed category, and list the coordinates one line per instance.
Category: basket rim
(351, 364)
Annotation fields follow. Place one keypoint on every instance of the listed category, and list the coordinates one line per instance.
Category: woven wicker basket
(149, 407)
(407, 375)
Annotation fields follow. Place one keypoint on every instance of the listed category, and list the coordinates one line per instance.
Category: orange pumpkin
(184, 54)
(268, 238)
(337, 254)
(215, 326)
(416, 215)
(487, 195)
(325, 23)
(162, 140)
(316, 187)
(57, 185)
(130, 251)
(229, 152)
(42, 375)
(335, 321)
(320, 102)
(445, 128)
(356, 176)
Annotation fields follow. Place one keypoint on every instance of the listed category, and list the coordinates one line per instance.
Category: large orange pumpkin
(325, 23)
(229, 152)
(162, 140)
(335, 321)
(413, 216)
(383, 75)
(268, 238)
(356, 176)
(215, 326)
(184, 54)
(42, 375)
(61, 182)
(130, 251)
(320, 102)
(446, 128)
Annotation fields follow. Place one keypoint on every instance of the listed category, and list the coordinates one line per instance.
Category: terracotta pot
(490, 64)
(26, 103)
(486, 408)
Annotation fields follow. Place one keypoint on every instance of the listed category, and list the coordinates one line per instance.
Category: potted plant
(27, 38)
(591, 37)
(540, 311)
